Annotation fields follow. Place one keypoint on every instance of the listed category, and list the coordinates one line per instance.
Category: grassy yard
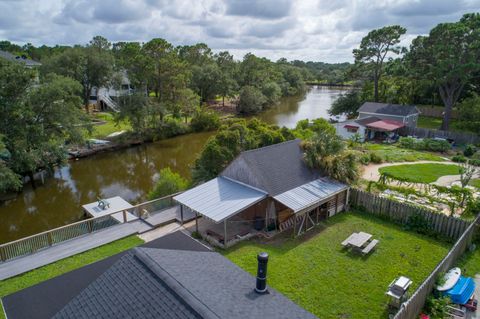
(475, 182)
(330, 282)
(103, 130)
(435, 122)
(392, 153)
(421, 173)
(36, 276)
(470, 263)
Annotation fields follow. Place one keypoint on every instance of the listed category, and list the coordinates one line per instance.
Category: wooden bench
(370, 247)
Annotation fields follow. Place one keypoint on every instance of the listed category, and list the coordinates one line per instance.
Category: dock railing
(31, 244)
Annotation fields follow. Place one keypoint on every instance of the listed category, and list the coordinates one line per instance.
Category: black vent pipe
(261, 286)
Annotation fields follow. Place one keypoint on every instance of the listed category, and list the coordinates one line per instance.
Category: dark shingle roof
(277, 168)
(367, 120)
(160, 283)
(388, 109)
(15, 58)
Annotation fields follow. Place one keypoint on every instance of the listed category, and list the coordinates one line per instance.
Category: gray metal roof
(275, 168)
(388, 109)
(220, 198)
(161, 283)
(366, 120)
(309, 194)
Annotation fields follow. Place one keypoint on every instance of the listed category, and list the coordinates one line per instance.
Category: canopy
(386, 125)
(220, 198)
(310, 194)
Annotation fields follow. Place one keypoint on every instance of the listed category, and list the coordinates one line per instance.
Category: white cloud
(320, 30)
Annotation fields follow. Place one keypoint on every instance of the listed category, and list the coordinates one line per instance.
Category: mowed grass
(434, 123)
(11, 285)
(470, 263)
(392, 153)
(103, 130)
(421, 173)
(475, 182)
(331, 282)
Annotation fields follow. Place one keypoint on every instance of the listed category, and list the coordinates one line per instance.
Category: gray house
(29, 63)
(407, 114)
(262, 192)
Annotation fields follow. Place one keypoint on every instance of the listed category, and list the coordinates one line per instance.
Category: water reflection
(128, 173)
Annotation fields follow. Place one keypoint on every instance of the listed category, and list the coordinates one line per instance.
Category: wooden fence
(435, 111)
(400, 213)
(31, 244)
(414, 305)
(457, 137)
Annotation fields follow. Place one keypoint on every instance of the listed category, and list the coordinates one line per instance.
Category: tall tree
(375, 47)
(91, 66)
(450, 57)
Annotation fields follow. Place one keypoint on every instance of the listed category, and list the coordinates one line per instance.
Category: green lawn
(103, 130)
(392, 153)
(330, 282)
(38, 275)
(470, 263)
(421, 173)
(435, 122)
(475, 182)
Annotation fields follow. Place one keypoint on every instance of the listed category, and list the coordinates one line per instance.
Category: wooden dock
(69, 248)
(115, 204)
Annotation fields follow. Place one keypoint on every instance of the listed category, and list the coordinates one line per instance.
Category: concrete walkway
(371, 172)
(69, 248)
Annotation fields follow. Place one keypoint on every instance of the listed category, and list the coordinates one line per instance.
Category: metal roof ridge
(183, 293)
(243, 184)
(270, 146)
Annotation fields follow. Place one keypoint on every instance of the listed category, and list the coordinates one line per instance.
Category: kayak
(451, 278)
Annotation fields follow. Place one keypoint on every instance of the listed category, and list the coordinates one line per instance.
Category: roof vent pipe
(261, 286)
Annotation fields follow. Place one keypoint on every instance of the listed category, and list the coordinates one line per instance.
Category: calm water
(129, 173)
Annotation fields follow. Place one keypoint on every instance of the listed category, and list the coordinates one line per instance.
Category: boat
(451, 278)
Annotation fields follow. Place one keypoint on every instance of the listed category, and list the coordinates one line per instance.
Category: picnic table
(360, 239)
(358, 242)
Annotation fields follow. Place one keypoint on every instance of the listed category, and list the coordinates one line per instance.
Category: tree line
(442, 67)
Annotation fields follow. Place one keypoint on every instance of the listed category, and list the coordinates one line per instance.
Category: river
(129, 173)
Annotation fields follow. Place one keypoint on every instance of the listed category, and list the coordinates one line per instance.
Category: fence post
(124, 216)
(49, 239)
(2, 254)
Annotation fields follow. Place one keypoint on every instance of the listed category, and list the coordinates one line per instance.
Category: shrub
(436, 145)
(437, 307)
(418, 223)
(205, 121)
(251, 100)
(474, 162)
(459, 159)
(407, 142)
(168, 183)
(469, 150)
(375, 158)
(365, 159)
(173, 127)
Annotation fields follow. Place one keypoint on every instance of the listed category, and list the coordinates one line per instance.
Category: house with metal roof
(262, 192)
(381, 121)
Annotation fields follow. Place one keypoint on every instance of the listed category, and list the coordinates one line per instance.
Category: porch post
(181, 214)
(196, 222)
(225, 233)
(336, 204)
(347, 199)
(294, 225)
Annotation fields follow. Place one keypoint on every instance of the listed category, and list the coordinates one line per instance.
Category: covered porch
(383, 130)
(227, 211)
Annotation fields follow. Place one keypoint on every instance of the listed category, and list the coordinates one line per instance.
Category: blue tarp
(462, 291)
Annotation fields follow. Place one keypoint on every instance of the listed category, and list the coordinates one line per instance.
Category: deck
(169, 215)
(69, 248)
(115, 204)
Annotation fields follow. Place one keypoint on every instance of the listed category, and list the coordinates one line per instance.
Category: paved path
(371, 172)
(70, 248)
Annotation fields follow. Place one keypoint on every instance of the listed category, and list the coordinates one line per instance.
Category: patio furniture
(360, 239)
(370, 247)
(346, 242)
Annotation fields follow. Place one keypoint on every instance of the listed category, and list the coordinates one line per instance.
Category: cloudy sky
(318, 30)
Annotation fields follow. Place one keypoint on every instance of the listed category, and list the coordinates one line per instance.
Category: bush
(173, 127)
(427, 144)
(474, 162)
(407, 142)
(437, 307)
(418, 223)
(375, 158)
(365, 159)
(205, 121)
(251, 100)
(168, 183)
(459, 159)
(469, 150)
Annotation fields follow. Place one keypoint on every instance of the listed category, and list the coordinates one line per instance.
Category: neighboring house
(106, 97)
(406, 114)
(264, 191)
(19, 59)
(379, 121)
(163, 283)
